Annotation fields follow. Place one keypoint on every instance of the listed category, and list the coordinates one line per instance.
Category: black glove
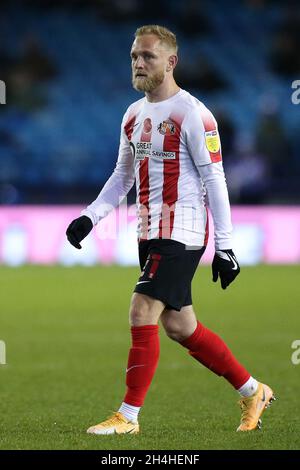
(78, 230)
(226, 266)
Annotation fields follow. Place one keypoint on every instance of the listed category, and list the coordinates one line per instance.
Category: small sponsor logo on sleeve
(212, 141)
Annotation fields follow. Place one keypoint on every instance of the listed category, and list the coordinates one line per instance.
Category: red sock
(209, 349)
(142, 362)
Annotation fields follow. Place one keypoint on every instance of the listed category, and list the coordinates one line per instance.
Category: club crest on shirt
(212, 141)
(166, 127)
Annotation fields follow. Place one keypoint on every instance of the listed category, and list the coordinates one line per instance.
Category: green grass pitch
(67, 339)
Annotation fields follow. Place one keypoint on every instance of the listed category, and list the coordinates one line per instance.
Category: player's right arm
(111, 195)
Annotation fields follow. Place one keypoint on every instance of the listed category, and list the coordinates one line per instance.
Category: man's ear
(172, 62)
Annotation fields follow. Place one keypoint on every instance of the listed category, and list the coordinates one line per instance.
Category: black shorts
(168, 268)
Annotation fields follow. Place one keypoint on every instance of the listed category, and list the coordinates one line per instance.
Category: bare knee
(179, 325)
(144, 310)
(138, 313)
(174, 333)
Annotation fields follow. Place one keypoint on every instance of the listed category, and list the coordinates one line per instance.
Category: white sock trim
(249, 388)
(130, 412)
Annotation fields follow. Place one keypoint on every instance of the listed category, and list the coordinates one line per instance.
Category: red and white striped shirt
(171, 149)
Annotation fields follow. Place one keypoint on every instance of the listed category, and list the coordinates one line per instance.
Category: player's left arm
(224, 263)
(205, 149)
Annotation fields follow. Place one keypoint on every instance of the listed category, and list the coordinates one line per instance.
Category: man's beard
(148, 84)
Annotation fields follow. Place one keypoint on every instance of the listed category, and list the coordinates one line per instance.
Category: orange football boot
(116, 424)
(254, 406)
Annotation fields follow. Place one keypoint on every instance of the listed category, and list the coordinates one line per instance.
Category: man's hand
(226, 266)
(78, 230)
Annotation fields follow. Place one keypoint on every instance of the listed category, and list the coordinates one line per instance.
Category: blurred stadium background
(66, 67)
(67, 73)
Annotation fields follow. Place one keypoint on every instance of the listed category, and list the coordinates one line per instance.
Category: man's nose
(139, 63)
